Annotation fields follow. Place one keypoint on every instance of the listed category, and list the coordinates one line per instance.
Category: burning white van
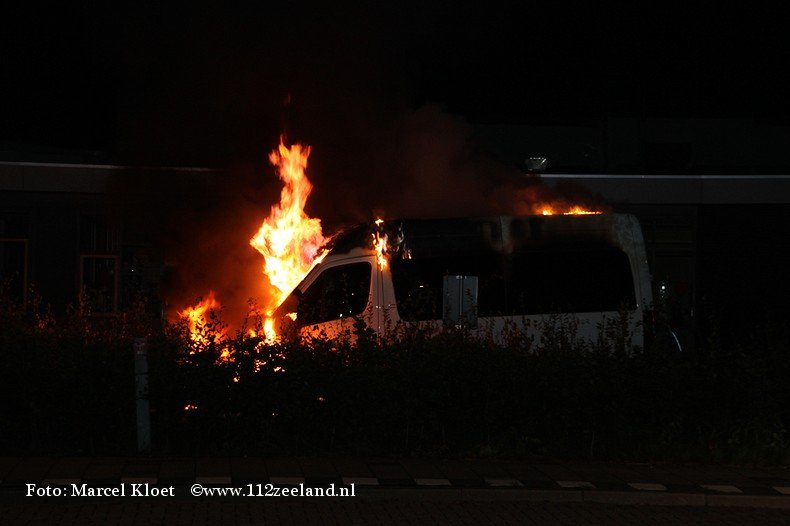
(483, 274)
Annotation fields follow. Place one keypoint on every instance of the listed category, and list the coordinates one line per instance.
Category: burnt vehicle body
(485, 274)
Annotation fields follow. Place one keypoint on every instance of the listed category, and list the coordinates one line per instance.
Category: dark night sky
(207, 85)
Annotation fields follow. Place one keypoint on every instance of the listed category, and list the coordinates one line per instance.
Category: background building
(710, 194)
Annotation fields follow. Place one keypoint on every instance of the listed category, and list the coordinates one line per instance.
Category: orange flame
(567, 210)
(380, 244)
(537, 199)
(289, 240)
(196, 318)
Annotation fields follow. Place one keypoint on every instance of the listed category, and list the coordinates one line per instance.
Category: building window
(99, 282)
(98, 235)
(338, 292)
(13, 269)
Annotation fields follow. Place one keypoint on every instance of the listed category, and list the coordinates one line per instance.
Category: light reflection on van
(484, 274)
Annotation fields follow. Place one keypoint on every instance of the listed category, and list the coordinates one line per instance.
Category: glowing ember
(196, 318)
(289, 240)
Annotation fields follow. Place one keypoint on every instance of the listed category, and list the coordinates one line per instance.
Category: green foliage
(68, 386)
(65, 384)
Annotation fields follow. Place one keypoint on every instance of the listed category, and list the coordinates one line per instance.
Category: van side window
(338, 292)
(540, 277)
(418, 284)
(562, 278)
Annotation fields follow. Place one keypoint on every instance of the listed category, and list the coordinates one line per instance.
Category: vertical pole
(695, 237)
(141, 383)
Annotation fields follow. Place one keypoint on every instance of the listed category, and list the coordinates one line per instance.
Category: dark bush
(68, 387)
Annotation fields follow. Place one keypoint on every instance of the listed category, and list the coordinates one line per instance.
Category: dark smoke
(419, 164)
(422, 163)
(208, 96)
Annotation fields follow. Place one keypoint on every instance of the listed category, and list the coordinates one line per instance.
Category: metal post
(141, 383)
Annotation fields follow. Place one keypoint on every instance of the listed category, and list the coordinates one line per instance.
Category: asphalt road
(412, 511)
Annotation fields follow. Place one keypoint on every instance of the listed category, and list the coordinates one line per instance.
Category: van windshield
(338, 292)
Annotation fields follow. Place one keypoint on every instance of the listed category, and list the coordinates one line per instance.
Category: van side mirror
(459, 301)
(287, 308)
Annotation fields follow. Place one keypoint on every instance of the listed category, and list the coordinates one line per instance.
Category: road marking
(647, 486)
(59, 482)
(575, 484)
(721, 488)
(286, 481)
(213, 480)
(139, 480)
(432, 482)
(503, 483)
(361, 481)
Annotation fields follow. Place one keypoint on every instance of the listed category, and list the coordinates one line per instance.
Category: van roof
(424, 237)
